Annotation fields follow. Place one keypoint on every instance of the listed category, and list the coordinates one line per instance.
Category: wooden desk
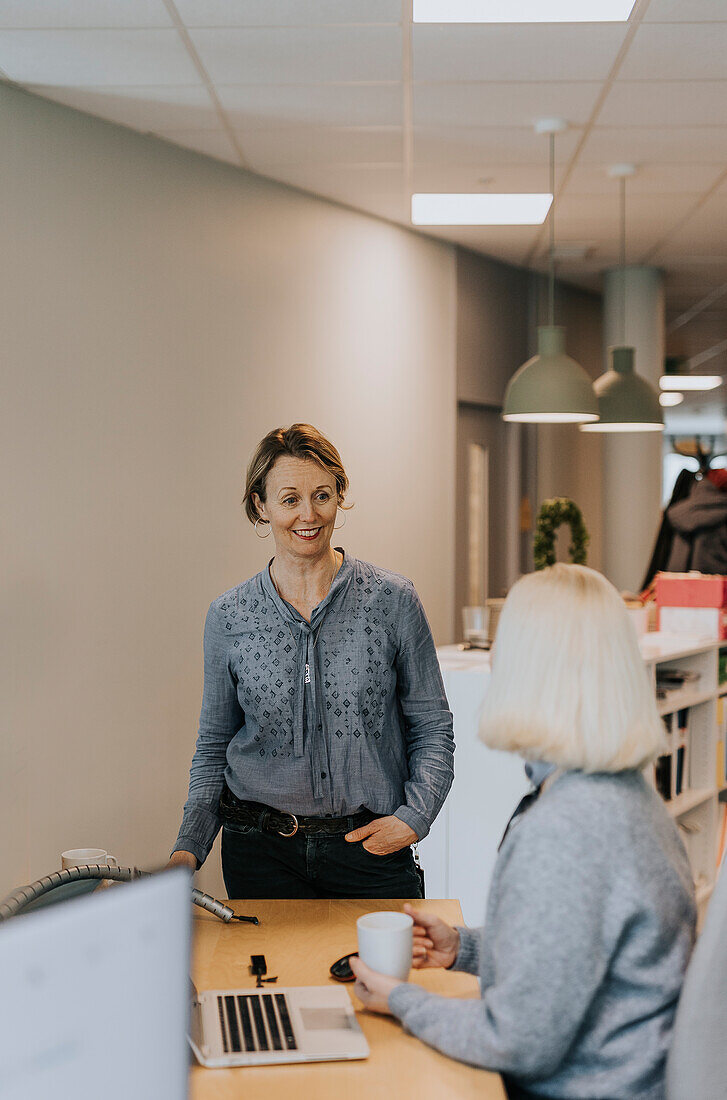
(300, 940)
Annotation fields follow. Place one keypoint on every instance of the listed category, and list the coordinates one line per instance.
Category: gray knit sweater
(589, 927)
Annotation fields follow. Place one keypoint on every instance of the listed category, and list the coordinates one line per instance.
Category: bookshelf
(489, 784)
(692, 772)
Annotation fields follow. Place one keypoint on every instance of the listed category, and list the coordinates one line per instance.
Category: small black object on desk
(258, 967)
(341, 968)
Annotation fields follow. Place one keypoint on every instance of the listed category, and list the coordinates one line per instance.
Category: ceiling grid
(348, 100)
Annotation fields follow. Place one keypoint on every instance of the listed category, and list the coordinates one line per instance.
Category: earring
(340, 525)
(261, 520)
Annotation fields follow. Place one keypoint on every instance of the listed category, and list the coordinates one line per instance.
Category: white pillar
(632, 464)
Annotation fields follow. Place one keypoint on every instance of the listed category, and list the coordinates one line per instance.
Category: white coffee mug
(385, 942)
(85, 857)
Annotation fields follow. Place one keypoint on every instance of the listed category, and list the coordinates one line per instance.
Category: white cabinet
(459, 854)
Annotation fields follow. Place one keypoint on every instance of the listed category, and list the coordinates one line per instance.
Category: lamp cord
(551, 219)
(622, 214)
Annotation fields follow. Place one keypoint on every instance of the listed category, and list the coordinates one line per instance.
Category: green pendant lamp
(551, 388)
(626, 401)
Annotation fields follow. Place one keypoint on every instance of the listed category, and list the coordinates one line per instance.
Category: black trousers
(259, 864)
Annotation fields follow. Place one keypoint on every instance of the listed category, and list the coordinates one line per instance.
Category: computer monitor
(94, 995)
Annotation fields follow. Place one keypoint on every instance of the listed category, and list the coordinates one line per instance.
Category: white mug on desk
(385, 942)
(85, 857)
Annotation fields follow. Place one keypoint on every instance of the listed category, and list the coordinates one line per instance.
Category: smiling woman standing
(325, 742)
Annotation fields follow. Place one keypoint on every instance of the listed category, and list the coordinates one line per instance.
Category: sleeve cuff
(468, 956)
(414, 820)
(403, 997)
(188, 844)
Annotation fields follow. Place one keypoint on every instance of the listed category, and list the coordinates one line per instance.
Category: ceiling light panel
(478, 209)
(522, 11)
(686, 382)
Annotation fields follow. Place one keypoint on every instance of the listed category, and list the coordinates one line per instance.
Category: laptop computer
(95, 995)
(253, 1027)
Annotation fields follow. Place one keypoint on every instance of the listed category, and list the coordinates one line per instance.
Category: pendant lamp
(626, 401)
(551, 388)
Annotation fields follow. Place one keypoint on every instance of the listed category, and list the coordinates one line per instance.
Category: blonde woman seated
(591, 914)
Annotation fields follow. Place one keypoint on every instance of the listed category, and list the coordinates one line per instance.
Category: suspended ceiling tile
(84, 13)
(649, 145)
(301, 145)
(666, 103)
(685, 11)
(502, 104)
(519, 52)
(369, 190)
(96, 57)
(653, 179)
(282, 13)
(255, 106)
(677, 51)
(349, 180)
(212, 143)
(510, 244)
(299, 56)
(495, 178)
(141, 108)
(466, 145)
(642, 210)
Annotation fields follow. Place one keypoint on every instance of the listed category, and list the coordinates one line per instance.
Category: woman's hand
(180, 858)
(372, 988)
(435, 942)
(385, 835)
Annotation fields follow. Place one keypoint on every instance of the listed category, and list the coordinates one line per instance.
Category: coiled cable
(26, 895)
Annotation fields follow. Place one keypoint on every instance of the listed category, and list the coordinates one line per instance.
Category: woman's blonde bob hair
(298, 441)
(569, 685)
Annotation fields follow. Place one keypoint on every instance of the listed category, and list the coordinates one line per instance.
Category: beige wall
(160, 312)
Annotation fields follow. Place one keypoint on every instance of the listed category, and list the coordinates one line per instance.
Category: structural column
(633, 316)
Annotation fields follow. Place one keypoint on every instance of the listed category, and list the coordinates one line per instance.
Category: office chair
(697, 1062)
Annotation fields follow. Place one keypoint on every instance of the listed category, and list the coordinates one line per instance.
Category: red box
(691, 590)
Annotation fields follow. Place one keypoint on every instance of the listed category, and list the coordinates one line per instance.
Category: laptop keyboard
(255, 1022)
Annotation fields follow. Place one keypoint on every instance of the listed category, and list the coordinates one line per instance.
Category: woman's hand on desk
(435, 942)
(372, 988)
(384, 835)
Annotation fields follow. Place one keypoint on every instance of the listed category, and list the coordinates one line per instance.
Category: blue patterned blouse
(327, 717)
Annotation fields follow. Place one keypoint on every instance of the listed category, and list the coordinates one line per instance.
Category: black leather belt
(235, 811)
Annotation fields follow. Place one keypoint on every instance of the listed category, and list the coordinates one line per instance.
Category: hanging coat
(700, 526)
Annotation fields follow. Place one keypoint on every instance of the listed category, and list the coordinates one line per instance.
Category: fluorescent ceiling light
(670, 398)
(479, 209)
(690, 381)
(522, 11)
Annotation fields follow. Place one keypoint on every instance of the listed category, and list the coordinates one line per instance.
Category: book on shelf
(671, 769)
(722, 835)
(674, 679)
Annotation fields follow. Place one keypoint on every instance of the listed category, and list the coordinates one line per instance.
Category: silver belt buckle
(295, 826)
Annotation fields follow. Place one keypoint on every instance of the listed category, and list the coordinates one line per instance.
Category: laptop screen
(94, 995)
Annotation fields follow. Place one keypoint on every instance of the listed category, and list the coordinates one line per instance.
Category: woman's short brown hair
(298, 441)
